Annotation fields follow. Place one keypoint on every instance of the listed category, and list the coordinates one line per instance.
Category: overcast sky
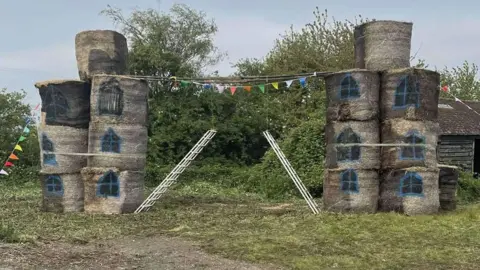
(37, 37)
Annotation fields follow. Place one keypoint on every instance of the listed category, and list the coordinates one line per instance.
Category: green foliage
(462, 82)
(8, 234)
(468, 190)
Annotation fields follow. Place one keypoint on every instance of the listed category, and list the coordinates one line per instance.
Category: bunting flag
(233, 89)
(21, 139)
(3, 172)
(262, 88)
(13, 156)
(275, 85)
(446, 89)
(26, 130)
(8, 164)
(18, 147)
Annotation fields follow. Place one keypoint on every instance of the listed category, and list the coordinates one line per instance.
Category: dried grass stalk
(65, 102)
(366, 132)
(130, 191)
(352, 95)
(392, 197)
(382, 45)
(421, 102)
(62, 139)
(404, 131)
(64, 197)
(119, 100)
(100, 52)
(364, 200)
(118, 139)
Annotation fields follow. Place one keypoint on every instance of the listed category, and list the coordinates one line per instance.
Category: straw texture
(365, 131)
(119, 99)
(352, 95)
(130, 189)
(383, 45)
(415, 98)
(65, 102)
(62, 193)
(100, 52)
(364, 201)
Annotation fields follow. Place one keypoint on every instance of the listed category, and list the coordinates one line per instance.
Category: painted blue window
(407, 93)
(54, 186)
(111, 142)
(56, 105)
(47, 146)
(411, 185)
(108, 185)
(110, 98)
(413, 152)
(349, 88)
(348, 153)
(349, 181)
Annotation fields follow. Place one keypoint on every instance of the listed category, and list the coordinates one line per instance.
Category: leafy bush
(468, 190)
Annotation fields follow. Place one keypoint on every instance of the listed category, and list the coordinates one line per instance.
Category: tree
(462, 82)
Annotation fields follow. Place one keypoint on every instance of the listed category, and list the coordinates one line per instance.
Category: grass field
(245, 227)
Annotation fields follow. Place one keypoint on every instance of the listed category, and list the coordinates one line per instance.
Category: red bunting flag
(8, 164)
(233, 89)
(445, 88)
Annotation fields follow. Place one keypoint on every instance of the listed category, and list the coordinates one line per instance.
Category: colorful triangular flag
(3, 172)
(21, 139)
(247, 88)
(233, 89)
(458, 100)
(26, 130)
(184, 83)
(13, 157)
(220, 88)
(275, 85)
(8, 164)
(207, 86)
(18, 147)
(445, 88)
(302, 81)
(289, 82)
(262, 88)
(36, 107)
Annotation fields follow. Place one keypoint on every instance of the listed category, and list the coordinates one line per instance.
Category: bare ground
(156, 252)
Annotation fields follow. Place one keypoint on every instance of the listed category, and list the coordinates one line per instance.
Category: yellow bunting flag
(18, 147)
(13, 157)
(275, 85)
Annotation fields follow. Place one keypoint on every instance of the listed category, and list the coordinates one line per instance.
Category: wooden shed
(459, 139)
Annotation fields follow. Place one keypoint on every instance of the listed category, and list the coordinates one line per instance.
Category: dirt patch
(156, 252)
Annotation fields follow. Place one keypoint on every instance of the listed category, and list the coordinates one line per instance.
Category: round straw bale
(382, 45)
(410, 93)
(352, 95)
(361, 198)
(100, 52)
(62, 139)
(355, 157)
(411, 191)
(125, 146)
(400, 131)
(62, 192)
(123, 193)
(119, 99)
(65, 102)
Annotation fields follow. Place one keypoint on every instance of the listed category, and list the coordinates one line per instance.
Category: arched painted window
(349, 181)
(411, 185)
(110, 98)
(111, 142)
(407, 93)
(108, 185)
(47, 146)
(414, 152)
(56, 105)
(54, 186)
(349, 88)
(348, 153)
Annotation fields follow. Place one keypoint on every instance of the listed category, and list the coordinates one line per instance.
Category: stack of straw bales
(351, 177)
(117, 137)
(64, 129)
(408, 115)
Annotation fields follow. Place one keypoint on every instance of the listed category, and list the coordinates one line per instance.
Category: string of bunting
(445, 89)
(221, 87)
(13, 154)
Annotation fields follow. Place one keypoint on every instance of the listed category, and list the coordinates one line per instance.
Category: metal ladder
(292, 173)
(175, 173)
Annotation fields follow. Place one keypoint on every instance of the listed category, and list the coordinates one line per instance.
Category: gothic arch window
(108, 185)
(407, 93)
(349, 181)
(47, 146)
(111, 142)
(411, 185)
(110, 98)
(413, 152)
(348, 153)
(56, 105)
(54, 185)
(349, 88)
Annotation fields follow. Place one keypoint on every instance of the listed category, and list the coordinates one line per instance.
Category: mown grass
(237, 226)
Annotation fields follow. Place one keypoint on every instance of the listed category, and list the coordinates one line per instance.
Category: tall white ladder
(292, 173)
(175, 173)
